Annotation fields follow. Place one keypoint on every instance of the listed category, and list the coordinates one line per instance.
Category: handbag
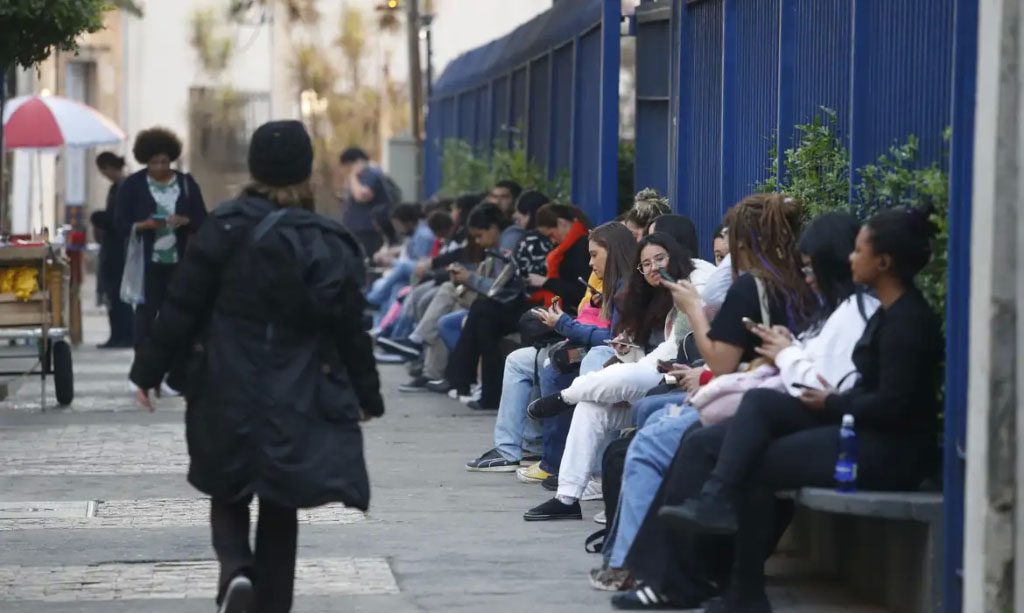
(566, 356)
(133, 279)
(535, 333)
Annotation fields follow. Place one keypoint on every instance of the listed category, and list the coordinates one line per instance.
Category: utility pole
(412, 22)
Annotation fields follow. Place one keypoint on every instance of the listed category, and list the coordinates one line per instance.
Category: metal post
(415, 89)
(3, 154)
(428, 21)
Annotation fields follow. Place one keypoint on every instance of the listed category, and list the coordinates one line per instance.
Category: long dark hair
(643, 307)
(618, 241)
(529, 203)
(682, 229)
(763, 231)
(904, 234)
(828, 241)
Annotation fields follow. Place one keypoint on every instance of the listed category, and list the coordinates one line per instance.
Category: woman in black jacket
(278, 371)
(166, 208)
(490, 319)
(112, 254)
(728, 474)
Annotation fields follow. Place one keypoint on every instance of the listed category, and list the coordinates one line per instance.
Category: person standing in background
(164, 206)
(371, 194)
(112, 254)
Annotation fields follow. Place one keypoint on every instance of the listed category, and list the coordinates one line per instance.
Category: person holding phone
(166, 207)
(825, 349)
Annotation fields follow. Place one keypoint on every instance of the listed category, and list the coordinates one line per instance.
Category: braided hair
(763, 234)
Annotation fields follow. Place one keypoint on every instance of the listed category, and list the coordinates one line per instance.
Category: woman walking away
(266, 314)
(166, 208)
(112, 254)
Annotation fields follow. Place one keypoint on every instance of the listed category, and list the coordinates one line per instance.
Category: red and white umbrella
(48, 122)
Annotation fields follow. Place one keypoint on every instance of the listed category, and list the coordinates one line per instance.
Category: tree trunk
(415, 89)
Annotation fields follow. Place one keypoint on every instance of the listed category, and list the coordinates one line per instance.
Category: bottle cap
(847, 421)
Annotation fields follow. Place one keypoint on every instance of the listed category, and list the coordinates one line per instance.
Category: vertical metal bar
(682, 133)
(416, 89)
(729, 127)
(608, 181)
(575, 177)
(958, 296)
(787, 75)
(860, 90)
(527, 112)
(551, 115)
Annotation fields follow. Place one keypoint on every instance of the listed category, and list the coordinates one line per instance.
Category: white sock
(565, 499)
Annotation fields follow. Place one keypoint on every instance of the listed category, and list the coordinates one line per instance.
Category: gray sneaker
(492, 462)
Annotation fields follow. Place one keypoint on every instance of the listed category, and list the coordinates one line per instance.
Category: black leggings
(272, 568)
(773, 443)
(158, 279)
(488, 320)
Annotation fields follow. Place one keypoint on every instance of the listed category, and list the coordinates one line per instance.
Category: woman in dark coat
(265, 317)
(112, 253)
(167, 208)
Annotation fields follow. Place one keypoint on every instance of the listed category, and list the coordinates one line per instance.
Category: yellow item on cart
(22, 282)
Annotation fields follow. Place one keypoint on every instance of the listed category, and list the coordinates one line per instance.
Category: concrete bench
(885, 545)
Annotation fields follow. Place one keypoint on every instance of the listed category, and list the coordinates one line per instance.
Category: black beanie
(281, 154)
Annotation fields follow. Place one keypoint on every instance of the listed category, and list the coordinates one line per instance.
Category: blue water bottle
(846, 465)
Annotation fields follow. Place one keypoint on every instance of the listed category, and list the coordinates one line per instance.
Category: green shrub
(627, 175)
(465, 170)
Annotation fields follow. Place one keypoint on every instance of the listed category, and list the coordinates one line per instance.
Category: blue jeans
(649, 456)
(556, 429)
(514, 432)
(644, 408)
(384, 291)
(450, 327)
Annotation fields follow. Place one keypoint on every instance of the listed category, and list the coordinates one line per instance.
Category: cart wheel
(63, 376)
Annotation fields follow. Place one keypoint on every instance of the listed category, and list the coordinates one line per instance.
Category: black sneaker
(401, 346)
(238, 597)
(644, 598)
(548, 406)
(492, 462)
(416, 369)
(550, 483)
(705, 514)
(419, 384)
(554, 509)
(734, 604)
(439, 386)
(477, 406)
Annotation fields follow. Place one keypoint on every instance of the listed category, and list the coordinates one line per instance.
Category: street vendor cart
(33, 313)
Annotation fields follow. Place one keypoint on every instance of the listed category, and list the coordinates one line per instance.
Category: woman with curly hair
(166, 208)
(647, 206)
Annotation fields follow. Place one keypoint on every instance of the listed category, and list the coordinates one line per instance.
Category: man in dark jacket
(371, 194)
(112, 255)
(264, 317)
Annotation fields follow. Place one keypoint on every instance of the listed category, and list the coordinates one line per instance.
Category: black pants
(119, 314)
(488, 320)
(371, 241)
(272, 568)
(158, 278)
(772, 444)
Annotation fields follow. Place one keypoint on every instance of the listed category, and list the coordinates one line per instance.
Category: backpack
(392, 193)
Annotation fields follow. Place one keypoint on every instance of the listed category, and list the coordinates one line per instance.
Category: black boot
(548, 406)
(710, 512)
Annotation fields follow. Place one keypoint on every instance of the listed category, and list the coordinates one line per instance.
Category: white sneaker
(593, 491)
(601, 518)
(453, 394)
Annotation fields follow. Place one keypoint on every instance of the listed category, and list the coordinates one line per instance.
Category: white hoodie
(830, 352)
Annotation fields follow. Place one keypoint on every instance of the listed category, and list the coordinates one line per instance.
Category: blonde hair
(297, 195)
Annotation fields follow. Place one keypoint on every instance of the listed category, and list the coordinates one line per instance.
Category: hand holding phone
(664, 275)
(749, 323)
(666, 366)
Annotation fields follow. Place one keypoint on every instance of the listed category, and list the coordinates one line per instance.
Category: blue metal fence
(552, 84)
(748, 71)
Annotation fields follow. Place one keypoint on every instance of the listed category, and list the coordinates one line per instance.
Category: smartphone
(749, 323)
(670, 380)
(593, 290)
(665, 275)
(624, 344)
(801, 386)
(555, 301)
(666, 366)
(159, 217)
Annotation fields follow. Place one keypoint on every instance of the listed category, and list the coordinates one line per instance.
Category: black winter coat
(278, 367)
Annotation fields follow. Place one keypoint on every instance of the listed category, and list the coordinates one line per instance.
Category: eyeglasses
(659, 261)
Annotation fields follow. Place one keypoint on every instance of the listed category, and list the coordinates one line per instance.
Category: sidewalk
(114, 527)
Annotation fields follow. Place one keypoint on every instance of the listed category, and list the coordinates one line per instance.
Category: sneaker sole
(493, 469)
(239, 598)
(552, 517)
(528, 480)
(412, 390)
(592, 498)
(398, 348)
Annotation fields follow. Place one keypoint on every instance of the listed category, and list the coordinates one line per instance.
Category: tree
(352, 42)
